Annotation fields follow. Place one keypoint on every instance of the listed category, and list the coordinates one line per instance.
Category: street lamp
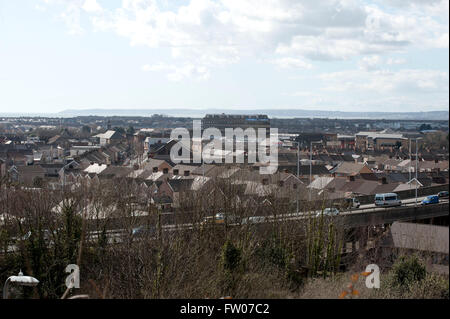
(21, 280)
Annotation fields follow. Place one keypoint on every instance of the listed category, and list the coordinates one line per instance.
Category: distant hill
(280, 113)
(273, 113)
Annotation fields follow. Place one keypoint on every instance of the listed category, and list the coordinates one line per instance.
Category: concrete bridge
(378, 216)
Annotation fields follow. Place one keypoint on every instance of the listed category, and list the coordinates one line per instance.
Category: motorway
(405, 203)
(117, 235)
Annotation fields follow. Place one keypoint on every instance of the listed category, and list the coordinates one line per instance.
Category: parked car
(443, 194)
(432, 199)
(329, 211)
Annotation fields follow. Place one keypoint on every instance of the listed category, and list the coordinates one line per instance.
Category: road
(117, 235)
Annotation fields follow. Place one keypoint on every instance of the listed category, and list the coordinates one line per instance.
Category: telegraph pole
(410, 159)
(310, 169)
(298, 168)
(416, 170)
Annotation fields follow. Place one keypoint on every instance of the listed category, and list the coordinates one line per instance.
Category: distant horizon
(271, 112)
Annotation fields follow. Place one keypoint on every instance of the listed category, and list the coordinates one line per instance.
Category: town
(223, 158)
(318, 170)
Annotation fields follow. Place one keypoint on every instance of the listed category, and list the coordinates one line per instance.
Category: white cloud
(302, 94)
(376, 62)
(394, 61)
(292, 63)
(411, 81)
(370, 63)
(288, 33)
(91, 6)
(178, 73)
(71, 17)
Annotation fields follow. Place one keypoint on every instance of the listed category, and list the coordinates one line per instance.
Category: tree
(120, 130)
(130, 130)
(38, 182)
(86, 129)
(425, 127)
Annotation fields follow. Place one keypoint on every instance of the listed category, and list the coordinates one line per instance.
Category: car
(443, 194)
(351, 203)
(329, 211)
(47, 235)
(432, 199)
(219, 218)
(387, 200)
(142, 231)
(207, 220)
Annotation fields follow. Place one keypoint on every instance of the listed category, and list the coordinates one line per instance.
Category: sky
(340, 55)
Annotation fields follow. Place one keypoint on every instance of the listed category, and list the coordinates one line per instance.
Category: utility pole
(410, 159)
(298, 168)
(416, 170)
(310, 169)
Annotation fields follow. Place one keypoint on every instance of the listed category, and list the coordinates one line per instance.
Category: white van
(387, 200)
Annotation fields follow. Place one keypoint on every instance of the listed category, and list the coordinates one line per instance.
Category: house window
(281, 183)
(165, 170)
(155, 169)
(265, 181)
(294, 186)
(186, 173)
(175, 172)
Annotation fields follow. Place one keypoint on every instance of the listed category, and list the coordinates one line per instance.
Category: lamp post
(21, 280)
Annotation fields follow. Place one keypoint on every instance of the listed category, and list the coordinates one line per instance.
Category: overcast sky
(348, 55)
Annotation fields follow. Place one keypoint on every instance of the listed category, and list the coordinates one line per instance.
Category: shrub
(408, 270)
(231, 256)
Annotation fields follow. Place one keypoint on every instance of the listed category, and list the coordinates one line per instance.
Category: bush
(231, 256)
(433, 286)
(407, 271)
